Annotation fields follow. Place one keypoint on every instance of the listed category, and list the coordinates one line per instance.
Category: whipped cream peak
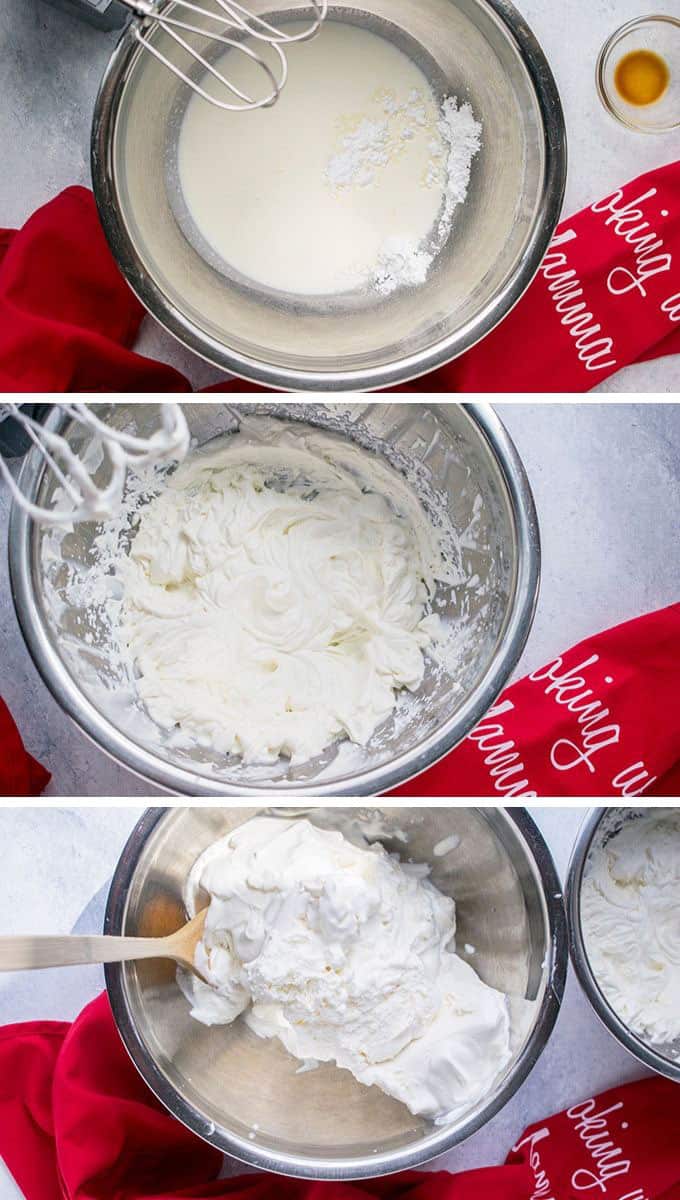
(347, 955)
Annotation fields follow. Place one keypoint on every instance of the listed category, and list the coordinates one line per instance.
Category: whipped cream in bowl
(368, 1003)
(323, 599)
(624, 897)
(277, 594)
(347, 955)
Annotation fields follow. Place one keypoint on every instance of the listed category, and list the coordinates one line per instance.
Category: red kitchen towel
(607, 294)
(78, 1123)
(67, 317)
(601, 720)
(20, 774)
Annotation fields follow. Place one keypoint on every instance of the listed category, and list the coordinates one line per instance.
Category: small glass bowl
(661, 34)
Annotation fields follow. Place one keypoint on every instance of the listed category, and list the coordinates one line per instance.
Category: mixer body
(104, 14)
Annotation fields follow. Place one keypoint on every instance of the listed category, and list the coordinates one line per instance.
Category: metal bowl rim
(370, 1166)
(635, 1046)
(152, 297)
(183, 781)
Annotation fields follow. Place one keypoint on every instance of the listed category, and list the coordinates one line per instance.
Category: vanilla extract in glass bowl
(638, 74)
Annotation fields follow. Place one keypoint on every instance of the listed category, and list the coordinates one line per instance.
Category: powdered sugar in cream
(349, 182)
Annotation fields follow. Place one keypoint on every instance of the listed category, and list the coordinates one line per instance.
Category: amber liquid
(641, 77)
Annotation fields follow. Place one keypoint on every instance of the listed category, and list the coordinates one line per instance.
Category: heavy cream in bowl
(469, 54)
(348, 184)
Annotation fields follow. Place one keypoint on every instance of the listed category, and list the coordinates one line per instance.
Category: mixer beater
(85, 499)
(236, 24)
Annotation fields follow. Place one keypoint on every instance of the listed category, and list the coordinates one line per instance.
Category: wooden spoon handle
(32, 953)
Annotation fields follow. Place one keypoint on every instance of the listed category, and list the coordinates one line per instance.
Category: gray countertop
(51, 64)
(606, 479)
(58, 863)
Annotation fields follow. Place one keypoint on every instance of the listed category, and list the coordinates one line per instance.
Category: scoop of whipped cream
(275, 594)
(346, 955)
(630, 909)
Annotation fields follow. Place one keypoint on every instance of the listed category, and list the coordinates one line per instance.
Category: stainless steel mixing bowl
(242, 1093)
(481, 50)
(596, 829)
(461, 460)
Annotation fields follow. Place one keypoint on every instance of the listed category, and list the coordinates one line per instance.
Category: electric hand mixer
(225, 22)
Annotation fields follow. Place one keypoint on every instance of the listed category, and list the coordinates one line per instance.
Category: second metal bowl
(594, 831)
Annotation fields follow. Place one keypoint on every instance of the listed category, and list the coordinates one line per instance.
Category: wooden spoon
(32, 953)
